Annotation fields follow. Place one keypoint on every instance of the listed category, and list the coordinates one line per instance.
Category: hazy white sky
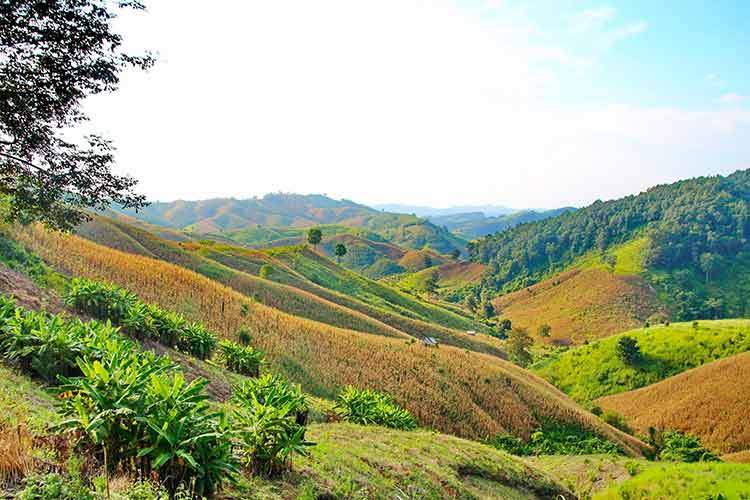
(442, 102)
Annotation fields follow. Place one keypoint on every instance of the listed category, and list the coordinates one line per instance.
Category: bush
(240, 359)
(270, 421)
(617, 421)
(628, 350)
(107, 301)
(554, 438)
(679, 447)
(367, 407)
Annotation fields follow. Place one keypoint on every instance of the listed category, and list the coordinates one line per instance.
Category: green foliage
(240, 359)
(270, 419)
(595, 370)
(19, 259)
(544, 330)
(679, 447)
(616, 420)
(314, 236)
(109, 302)
(266, 271)
(340, 251)
(683, 221)
(519, 342)
(367, 407)
(554, 438)
(628, 351)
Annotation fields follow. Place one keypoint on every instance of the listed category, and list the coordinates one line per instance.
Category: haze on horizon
(441, 103)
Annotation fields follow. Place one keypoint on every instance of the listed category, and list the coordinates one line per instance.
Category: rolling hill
(695, 258)
(472, 225)
(453, 390)
(592, 371)
(710, 401)
(284, 218)
(306, 284)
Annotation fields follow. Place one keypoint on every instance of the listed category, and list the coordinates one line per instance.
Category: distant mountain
(282, 217)
(421, 211)
(472, 225)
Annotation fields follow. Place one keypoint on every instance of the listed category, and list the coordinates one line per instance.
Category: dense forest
(694, 228)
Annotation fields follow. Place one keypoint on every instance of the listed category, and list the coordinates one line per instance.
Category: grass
(685, 481)
(710, 402)
(351, 461)
(586, 475)
(594, 370)
(24, 401)
(456, 391)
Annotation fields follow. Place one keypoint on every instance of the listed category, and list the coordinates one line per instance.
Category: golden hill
(710, 401)
(452, 390)
(581, 304)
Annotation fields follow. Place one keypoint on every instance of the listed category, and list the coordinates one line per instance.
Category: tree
(314, 236)
(519, 342)
(455, 254)
(505, 325)
(431, 284)
(340, 251)
(54, 54)
(544, 330)
(628, 350)
(487, 309)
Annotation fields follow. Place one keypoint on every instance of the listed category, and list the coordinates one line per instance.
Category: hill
(684, 482)
(591, 299)
(710, 402)
(594, 370)
(282, 218)
(696, 229)
(472, 225)
(304, 283)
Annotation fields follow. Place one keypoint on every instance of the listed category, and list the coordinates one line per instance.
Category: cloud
(598, 25)
(734, 98)
(388, 101)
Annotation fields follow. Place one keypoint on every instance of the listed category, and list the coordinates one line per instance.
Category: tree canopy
(54, 54)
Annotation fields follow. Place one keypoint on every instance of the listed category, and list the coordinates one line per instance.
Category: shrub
(140, 320)
(679, 447)
(554, 438)
(266, 271)
(367, 407)
(243, 335)
(240, 359)
(628, 350)
(270, 419)
(616, 420)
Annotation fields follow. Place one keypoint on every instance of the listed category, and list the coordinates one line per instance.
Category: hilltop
(284, 218)
(472, 225)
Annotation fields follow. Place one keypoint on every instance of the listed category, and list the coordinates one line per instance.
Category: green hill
(595, 370)
(474, 225)
(283, 218)
(697, 232)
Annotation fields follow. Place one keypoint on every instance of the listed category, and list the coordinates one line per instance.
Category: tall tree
(340, 251)
(519, 342)
(314, 236)
(54, 54)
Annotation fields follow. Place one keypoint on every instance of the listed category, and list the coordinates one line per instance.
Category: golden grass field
(711, 401)
(580, 305)
(449, 389)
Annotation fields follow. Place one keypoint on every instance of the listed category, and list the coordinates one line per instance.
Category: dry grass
(710, 402)
(15, 454)
(581, 305)
(459, 392)
(740, 457)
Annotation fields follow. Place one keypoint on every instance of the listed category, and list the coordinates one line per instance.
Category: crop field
(594, 370)
(456, 391)
(710, 402)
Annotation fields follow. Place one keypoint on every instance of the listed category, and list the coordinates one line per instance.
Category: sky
(440, 103)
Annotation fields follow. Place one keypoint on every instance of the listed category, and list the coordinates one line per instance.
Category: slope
(595, 370)
(453, 390)
(595, 297)
(351, 301)
(710, 401)
(473, 225)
